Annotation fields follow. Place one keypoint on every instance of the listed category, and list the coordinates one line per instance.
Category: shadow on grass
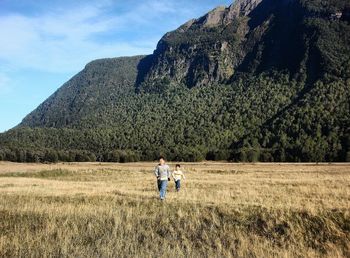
(65, 174)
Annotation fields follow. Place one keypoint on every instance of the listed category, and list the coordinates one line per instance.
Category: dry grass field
(223, 210)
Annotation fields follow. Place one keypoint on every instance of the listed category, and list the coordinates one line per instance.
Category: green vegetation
(288, 99)
(65, 174)
(40, 174)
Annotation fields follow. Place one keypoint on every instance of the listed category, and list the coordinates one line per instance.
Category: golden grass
(223, 210)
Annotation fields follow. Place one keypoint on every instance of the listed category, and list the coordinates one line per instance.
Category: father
(162, 173)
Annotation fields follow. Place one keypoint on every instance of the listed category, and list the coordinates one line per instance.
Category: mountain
(264, 80)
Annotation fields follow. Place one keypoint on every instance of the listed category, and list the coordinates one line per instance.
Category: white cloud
(63, 41)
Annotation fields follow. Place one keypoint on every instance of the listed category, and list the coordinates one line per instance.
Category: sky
(45, 42)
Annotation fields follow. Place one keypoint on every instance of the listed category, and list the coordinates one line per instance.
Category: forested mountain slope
(260, 80)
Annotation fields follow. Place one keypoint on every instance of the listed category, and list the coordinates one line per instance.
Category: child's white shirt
(177, 174)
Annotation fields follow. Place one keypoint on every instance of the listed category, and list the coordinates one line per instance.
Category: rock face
(241, 8)
(224, 16)
(212, 48)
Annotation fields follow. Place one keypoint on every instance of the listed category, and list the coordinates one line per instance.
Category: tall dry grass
(223, 210)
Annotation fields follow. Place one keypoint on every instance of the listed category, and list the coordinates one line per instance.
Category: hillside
(258, 80)
(101, 83)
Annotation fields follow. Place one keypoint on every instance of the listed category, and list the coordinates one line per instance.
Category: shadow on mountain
(282, 46)
(143, 68)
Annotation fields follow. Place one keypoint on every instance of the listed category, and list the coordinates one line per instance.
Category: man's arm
(156, 171)
(169, 173)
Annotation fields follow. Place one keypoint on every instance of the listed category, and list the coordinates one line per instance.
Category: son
(177, 175)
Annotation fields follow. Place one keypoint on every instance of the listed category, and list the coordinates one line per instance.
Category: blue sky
(44, 43)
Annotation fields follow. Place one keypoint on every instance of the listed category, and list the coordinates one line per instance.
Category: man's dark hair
(177, 166)
(161, 157)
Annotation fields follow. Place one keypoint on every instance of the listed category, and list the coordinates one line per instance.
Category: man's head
(161, 160)
(177, 166)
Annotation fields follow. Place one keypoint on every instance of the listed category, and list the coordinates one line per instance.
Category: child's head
(177, 166)
(161, 160)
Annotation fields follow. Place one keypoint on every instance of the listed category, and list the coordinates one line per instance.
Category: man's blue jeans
(162, 185)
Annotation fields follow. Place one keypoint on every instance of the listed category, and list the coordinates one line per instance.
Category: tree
(51, 156)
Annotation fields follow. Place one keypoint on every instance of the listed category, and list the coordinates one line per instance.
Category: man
(162, 172)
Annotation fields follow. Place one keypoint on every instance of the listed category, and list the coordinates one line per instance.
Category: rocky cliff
(214, 47)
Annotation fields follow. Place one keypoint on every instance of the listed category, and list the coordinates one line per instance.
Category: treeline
(121, 156)
(53, 156)
(246, 153)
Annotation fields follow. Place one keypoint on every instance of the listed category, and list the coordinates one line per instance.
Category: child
(177, 174)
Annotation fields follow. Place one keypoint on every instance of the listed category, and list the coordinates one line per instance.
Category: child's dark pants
(178, 185)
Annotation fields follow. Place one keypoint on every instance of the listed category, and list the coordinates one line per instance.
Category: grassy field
(223, 210)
